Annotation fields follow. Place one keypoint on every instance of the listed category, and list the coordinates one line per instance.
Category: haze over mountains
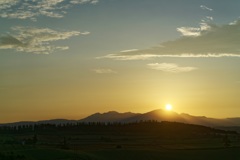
(157, 115)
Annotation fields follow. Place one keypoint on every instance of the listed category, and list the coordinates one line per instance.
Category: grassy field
(38, 153)
(91, 147)
(119, 143)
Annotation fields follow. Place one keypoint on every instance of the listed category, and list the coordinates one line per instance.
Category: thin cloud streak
(128, 57)
(170, 67)
(85, 33)
(129, 50)
(152, 56)
(35, 40)
(84, 1)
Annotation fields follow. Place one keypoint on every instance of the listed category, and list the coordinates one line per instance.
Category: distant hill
(156, 115)
(52, 121)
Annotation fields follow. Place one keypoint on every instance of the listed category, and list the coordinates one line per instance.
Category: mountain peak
(111, 116)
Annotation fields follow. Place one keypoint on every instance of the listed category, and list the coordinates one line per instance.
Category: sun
(168, 107)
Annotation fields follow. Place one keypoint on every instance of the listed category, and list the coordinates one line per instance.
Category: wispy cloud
(134, 56)
(129, 50)
(209, 18)
(84, 1)
(104, 71)
(85, 33)
(170, 67)
(31, 9)
(189, 31)
(207, 40)
(152, 56)
(35, 40)
(195, 31)
(206, 8)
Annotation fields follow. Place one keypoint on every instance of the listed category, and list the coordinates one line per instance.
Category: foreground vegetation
(142, 140)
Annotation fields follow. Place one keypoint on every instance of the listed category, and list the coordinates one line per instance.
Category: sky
(72, 58)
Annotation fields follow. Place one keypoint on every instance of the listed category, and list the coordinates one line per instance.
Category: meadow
(151, 140)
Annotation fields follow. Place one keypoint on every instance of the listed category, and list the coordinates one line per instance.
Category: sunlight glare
(168, 107)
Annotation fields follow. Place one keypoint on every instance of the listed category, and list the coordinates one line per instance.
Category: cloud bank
(35, 40)
(207, 40)
(170, 67)
(31, 9)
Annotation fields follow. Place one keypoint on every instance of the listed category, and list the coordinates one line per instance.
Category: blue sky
(71, 58)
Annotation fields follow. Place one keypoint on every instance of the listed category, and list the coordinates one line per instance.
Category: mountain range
(160, 115)
(156, 115)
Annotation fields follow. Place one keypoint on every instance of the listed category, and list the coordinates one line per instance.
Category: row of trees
(137, 127)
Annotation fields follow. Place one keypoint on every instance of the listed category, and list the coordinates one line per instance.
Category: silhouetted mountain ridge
(111, 116)
(161, 115)
(156, 115)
